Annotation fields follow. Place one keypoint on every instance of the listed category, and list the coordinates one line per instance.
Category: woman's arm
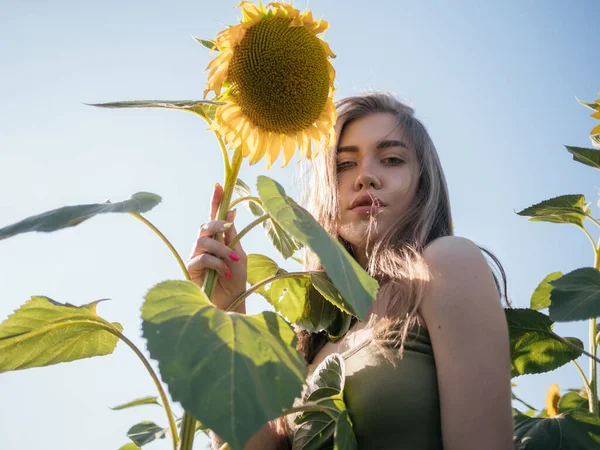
(469, 335)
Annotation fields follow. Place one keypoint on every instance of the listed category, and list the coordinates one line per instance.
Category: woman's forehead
(375, 131)
(375, 126)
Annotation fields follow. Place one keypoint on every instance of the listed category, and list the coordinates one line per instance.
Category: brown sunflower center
(279, 76)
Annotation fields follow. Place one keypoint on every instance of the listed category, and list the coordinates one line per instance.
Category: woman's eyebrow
(385, 143)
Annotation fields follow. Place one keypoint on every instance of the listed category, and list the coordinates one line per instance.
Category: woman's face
(377, 178)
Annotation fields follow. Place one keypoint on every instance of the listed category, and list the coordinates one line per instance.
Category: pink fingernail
(228, 274)
(234, 256)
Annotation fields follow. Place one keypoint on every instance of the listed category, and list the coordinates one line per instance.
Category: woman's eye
(394, 161)
(343, 165)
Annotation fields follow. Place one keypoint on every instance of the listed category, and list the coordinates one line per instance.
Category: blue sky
(494, 83)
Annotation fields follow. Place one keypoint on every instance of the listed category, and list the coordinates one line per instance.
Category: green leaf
(233, 372)
(339, 327)
(327, 289)
(138, 402)
(561, 209)
(587, 156)
(202, 108)
(208, 43)
(541, 296)
(573, 430)
(326, 381)
(287, 295)
(306, 300)
(145, 432)
(43, 332)
(69, 216)
(357, 288)
(281, 240)
(343, 438)
(534, 347)
(576, 296)
(320, 314)
(130, 446)
(570, 401)
(543, 414)
(316, 429)
(243, 190)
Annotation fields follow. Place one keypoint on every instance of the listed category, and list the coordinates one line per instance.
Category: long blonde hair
(395, 260)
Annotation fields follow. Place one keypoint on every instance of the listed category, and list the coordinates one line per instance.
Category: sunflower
(275, 80)
(553, 396)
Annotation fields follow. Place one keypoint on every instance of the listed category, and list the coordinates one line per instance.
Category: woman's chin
(361, 234)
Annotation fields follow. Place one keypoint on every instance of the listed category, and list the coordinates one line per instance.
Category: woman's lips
(367, 209)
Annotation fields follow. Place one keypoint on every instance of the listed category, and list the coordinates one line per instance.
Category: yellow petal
(230, 114)
(274, 147)
(296, 22)
(241, 133)
(215, 63)
(320, 26)
(307, 18)
(331, 71)
(327, 48)
(595, 130)
(249, 10)
(289, 9)
(323, 128)
(596, 115)
(252, 138)
(259, 151)
(289, 148)
(309, 152)
(217, 81)
(215, 125)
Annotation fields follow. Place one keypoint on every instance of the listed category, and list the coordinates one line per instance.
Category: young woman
(430, 367)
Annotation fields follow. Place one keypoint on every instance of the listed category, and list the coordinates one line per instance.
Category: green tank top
(393, 407)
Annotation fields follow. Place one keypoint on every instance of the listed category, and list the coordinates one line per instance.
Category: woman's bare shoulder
(459, 276)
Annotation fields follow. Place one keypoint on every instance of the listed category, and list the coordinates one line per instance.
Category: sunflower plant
(272, 85)
(573, 419)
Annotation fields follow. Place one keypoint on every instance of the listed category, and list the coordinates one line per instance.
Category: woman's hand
(208, 253)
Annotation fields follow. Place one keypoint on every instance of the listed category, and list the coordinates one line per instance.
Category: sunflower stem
(260, 284)
(237, 201)
(157, 383)
(587, 387)
(231, 175)
(514, 397)
(593, 399)
(188, 427)
(166, 241)
(247, 229)
(163, 396)
(593, 220)
(219, 139)
(224, 153)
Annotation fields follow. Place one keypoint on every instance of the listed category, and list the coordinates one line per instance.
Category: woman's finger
(208, 245)
(210, 229)
(207, 230)
(215, 201)
(208, 261)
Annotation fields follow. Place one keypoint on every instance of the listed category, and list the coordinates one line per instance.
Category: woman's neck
(360, 254)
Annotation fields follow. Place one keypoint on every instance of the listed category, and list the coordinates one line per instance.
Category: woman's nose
(367, 178)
